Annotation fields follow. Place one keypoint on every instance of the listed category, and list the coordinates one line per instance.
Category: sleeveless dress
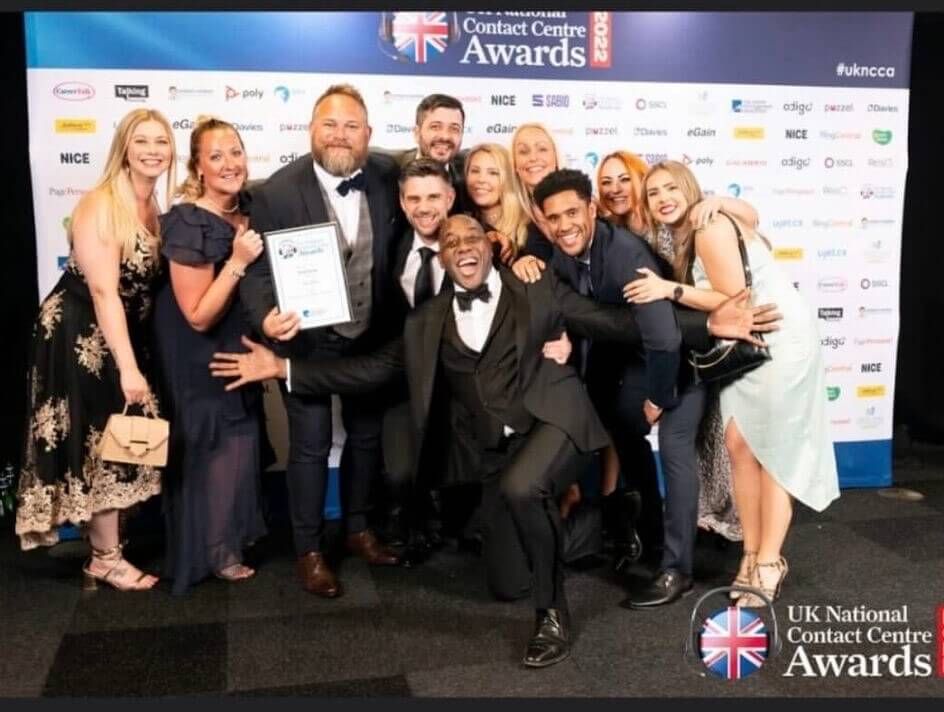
(211, 499)
(73, 387)
(780, 407)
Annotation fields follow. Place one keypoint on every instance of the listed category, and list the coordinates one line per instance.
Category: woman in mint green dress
(776, 429)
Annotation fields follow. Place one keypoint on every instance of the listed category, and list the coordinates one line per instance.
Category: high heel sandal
(750, 600)
(114, 576)
(744, 573)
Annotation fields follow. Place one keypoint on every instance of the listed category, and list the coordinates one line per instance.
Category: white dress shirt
(473, 325)
(347, 208)
(412, 265)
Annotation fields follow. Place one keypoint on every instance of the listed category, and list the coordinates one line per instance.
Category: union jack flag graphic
(419, 34)
(733, 643)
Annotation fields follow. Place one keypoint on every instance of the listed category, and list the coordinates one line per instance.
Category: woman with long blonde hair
(534, 155)
(490, 183)
(774, 417)
(88, 357)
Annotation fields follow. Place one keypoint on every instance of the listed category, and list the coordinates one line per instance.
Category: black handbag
(728, 360)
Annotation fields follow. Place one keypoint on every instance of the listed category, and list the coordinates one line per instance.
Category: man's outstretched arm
(350, 375)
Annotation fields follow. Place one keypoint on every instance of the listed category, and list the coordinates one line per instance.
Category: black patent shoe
(550, 643)
(666, 588)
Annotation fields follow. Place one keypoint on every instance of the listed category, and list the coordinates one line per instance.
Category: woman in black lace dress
(88, 356)
(211, 483)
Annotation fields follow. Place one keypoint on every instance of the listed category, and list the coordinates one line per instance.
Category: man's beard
(338, 160)
(427, 150)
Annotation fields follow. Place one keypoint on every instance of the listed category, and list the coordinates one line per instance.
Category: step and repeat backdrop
(804, 115)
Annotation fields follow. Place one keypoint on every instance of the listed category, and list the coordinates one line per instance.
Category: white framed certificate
(308, 272)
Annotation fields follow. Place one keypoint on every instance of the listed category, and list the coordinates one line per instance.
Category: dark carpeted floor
(434, 631)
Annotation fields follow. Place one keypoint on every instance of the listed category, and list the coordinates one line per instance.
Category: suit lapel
(432, 319)
(311, 196)
(379, 208)
(520, 305)
(566, 268)
(598, 255)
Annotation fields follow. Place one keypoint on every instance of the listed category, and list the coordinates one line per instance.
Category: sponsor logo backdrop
(816, 140)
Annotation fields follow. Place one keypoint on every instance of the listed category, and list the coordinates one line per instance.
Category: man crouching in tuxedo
(531, 418)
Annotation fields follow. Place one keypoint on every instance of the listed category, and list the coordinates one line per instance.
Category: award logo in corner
(733, 643)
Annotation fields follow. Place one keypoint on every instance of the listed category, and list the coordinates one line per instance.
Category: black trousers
(678, 428)
(310, 435)
(522, 532)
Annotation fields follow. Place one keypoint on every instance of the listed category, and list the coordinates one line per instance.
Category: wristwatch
(677, 293)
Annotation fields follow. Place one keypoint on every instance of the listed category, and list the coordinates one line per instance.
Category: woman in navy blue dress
(212, 482)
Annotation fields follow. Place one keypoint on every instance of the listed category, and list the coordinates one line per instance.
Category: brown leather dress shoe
(316, 576)
(366, 545)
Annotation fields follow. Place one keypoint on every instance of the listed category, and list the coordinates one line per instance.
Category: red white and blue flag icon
(733, 643)
(420, 35)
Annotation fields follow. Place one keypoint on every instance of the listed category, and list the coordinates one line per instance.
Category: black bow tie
(355, 182)
(465, 299)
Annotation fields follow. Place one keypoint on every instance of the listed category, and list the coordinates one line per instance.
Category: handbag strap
(742, 249)
(144, 412)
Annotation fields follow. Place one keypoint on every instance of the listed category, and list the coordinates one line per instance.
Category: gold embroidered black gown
(73, 386)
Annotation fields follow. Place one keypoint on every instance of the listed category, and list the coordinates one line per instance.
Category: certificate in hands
(308, 272)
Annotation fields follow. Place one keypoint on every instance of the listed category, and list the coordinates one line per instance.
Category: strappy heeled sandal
(744, 573)
(115, 574)
(750, 600)
(236, 572)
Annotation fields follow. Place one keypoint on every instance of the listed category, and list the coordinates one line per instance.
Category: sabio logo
(795, 162)
(559, 101)
(796, 107)
(882, 137)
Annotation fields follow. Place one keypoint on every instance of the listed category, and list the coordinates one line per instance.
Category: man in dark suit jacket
(633, 389)
(438, 131)
(531, 417)
(338, 181)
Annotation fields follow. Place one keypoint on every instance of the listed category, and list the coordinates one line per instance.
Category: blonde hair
(121, 221)
(192, 188)
(684, 239)
(521, 190)
(637, 168)
(513, 221)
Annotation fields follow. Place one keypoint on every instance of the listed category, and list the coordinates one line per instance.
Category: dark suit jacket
(291, 198)
(615, 255)
(552, 393)
(456, 171)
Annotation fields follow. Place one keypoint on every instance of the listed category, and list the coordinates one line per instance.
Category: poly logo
(882, 137)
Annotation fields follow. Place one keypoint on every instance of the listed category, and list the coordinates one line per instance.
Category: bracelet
(236, 272)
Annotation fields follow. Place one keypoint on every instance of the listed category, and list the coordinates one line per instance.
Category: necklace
(228, 211)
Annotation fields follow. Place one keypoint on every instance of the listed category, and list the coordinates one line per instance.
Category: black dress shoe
(550, 643)
(417, 550)
(667, 587)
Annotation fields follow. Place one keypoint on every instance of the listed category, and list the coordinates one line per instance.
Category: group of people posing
(515, 336)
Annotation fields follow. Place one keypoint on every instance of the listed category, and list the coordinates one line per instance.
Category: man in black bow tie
(340, 180)
(531, 417)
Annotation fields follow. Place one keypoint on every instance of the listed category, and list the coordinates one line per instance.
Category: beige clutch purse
(135, 440)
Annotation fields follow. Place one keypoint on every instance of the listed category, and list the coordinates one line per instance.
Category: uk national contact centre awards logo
(420, 36)
(733, 643)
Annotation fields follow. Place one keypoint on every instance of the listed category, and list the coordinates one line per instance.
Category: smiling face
(464, 251)
(222, 163)
(618, 191)
(483, 180)
(534, 156)
(665, 198)
(439, 136)
(339, 135)
(149, 150)
(426, 201)
(571, 220)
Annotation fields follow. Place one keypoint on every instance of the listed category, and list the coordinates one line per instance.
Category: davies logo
(73, 91)
(882, 137)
